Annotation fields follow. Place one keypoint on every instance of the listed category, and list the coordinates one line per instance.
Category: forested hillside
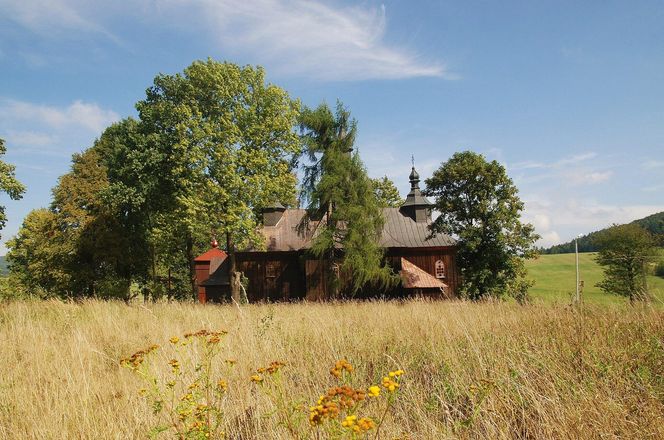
(653, 224)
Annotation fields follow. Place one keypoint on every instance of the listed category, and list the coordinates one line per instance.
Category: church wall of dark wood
(287, 276)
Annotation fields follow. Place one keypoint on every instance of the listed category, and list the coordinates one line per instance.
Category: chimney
(416, 205)
(272, 214)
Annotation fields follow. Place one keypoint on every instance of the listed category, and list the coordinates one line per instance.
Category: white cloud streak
(314, 39)
(652, 164)
(32, 129)
(79, 114)
(566, 161)
(51, 18)
(304, 38)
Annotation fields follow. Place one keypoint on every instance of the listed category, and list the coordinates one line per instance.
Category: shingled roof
(412, 277)
(399, 231)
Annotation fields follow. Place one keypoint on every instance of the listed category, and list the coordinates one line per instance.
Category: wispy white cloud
(589, 178)
(79, 114)
(564, 197)
(312, 38)
(548, 238)
(557, 217)
(54, 17)
(46, 132)
(29, 138)
(653, 188)
(304, 38)
(652, 164)
(566, 161)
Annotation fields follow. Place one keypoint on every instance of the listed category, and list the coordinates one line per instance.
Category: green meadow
(554, 277)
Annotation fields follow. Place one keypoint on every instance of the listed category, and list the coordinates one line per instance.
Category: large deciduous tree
(82, 246)
(34, 257)
(339, 192)
(386, 192)
(624, 251)
(8, 183)
(479, 204)
(219, 144)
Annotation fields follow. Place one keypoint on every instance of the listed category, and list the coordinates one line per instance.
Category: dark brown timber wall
(273, 276)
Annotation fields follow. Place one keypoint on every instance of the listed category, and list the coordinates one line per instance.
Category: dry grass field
(485, 371)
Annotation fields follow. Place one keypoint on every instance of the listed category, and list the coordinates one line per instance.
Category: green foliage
(479, 204)
(625, 251)
(212, 146)
(220, 144)
(659, 269)
(11, 289)
(8, 183)
(77, 248)
(34, 258)
(88, 231)
(341, 194)
(386, 193)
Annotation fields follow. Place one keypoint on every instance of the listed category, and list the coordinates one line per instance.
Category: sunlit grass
(472, 370)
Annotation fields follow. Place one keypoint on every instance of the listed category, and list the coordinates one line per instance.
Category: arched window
(271, 270)
(440, 269)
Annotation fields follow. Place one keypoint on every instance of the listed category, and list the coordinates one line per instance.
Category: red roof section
(413, 277)
(212, 253)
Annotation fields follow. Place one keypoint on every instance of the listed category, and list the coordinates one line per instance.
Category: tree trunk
(332, 286)
(192, 267)
(233, 275)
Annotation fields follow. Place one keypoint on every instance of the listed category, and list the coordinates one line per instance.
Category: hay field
(473, 371)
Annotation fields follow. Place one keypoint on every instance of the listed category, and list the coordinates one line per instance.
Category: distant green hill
(653, 223)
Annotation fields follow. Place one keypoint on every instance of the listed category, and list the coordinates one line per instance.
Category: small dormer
(273, 213)
(416, 205)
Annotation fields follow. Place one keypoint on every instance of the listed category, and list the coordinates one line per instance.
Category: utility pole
(576, 252)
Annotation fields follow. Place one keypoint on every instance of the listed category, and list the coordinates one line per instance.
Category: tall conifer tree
(339, 193)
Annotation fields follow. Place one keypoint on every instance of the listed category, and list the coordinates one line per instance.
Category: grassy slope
(554, 277)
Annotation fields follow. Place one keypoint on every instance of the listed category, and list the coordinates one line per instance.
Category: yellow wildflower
(389, 384)
(365, 424)
(349, 421)
(174, 340)
(256, 378)
(339, 367)
(374, 391)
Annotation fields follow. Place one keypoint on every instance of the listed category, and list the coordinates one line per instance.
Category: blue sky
(569, 96)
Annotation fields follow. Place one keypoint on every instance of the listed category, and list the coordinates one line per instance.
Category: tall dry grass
(472, 370)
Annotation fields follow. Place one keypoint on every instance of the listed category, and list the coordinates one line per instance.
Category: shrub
(659, 269)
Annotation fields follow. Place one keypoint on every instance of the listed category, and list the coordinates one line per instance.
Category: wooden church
(285, 270)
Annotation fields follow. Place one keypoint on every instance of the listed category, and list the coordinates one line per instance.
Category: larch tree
(339, 193)
(9, 184)
(225, 144)
(624, 252)
(479, 204)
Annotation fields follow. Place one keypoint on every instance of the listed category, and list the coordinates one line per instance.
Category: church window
(440, 269)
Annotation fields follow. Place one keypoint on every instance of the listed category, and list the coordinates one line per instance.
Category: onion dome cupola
(273, 213)
(416, 205)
